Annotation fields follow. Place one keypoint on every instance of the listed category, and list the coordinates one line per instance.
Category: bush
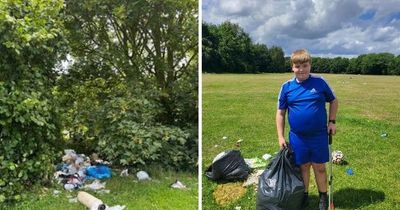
(129, 143)
(27, 138)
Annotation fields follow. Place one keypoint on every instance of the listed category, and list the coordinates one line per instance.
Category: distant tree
(234, 48)
(376, 64)
(210, 56)
(338, 65)
(288, 64)
(354, 66)
(321, 65)
(260, 58)
(394, 66)
(277, 59)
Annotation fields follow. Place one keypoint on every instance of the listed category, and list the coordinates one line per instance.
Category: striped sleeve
(282, 99)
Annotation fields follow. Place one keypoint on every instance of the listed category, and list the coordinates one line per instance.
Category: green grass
(154, 194)
(244, 107)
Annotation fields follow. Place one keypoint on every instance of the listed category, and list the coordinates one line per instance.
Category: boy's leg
(320, 176)
(305, 173)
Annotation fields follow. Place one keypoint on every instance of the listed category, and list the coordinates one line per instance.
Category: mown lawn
(244, 107)
(155, 194)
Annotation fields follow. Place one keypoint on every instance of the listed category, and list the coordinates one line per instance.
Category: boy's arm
(280, 127)
(333, 107)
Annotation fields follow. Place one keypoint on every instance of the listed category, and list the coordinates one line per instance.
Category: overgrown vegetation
(127, 91)
(31, 43)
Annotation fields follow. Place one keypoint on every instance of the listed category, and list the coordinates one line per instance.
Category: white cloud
(323, 26)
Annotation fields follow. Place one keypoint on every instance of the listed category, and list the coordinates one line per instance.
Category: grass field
(244, 107)
(155, 194)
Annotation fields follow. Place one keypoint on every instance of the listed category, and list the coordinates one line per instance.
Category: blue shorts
(309, 148)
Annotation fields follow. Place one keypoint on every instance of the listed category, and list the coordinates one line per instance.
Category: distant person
(304, 98)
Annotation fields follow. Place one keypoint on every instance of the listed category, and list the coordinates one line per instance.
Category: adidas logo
(313, 90)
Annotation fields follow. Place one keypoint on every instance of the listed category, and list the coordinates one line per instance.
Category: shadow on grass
(350, 198)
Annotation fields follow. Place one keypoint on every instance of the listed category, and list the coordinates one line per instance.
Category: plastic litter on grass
(255, 162)
(143, 176)
(178, 185)
(384, 135)
(253, 178)
(96, 185)
(349, 171)
(124, 172)
(266, 156)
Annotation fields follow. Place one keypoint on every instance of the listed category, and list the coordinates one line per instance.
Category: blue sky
(327, 28)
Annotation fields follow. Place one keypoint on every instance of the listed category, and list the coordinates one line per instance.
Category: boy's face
(301, 70)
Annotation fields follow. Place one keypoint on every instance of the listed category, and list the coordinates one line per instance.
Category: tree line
(227, 48)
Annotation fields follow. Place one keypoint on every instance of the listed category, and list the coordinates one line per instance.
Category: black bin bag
(280, 186)
(228, 166)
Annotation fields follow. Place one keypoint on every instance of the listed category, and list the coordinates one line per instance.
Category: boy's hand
(332, 128)
(282, 143)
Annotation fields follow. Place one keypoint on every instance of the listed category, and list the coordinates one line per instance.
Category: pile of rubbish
(76, 169)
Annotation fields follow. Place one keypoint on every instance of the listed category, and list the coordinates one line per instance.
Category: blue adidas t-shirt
(305, 103)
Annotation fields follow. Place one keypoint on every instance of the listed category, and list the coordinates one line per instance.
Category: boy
(304, 97)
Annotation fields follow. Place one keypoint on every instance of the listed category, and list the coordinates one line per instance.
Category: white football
(337, 157)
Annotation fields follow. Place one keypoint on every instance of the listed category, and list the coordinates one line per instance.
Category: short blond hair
(300, 56)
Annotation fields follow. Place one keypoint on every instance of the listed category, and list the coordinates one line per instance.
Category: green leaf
(2, 198)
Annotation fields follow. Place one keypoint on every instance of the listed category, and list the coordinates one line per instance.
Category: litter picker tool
(330, 198)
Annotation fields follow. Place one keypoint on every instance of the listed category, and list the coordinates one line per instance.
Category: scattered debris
(124, 172)
(238, 142)
(117, 207)
(178, 185)
(384, 135)
(228, 193)
(99, 172)
(225, 137)
(255, 162)
(238, 207)
(253, 178)
(73, 200)
(96, 185)
(266, 156)
(71, 186)
(216, 145)
(349, 171)
(56, 192)
(97, 160)
(142, 176)
(103, 191)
